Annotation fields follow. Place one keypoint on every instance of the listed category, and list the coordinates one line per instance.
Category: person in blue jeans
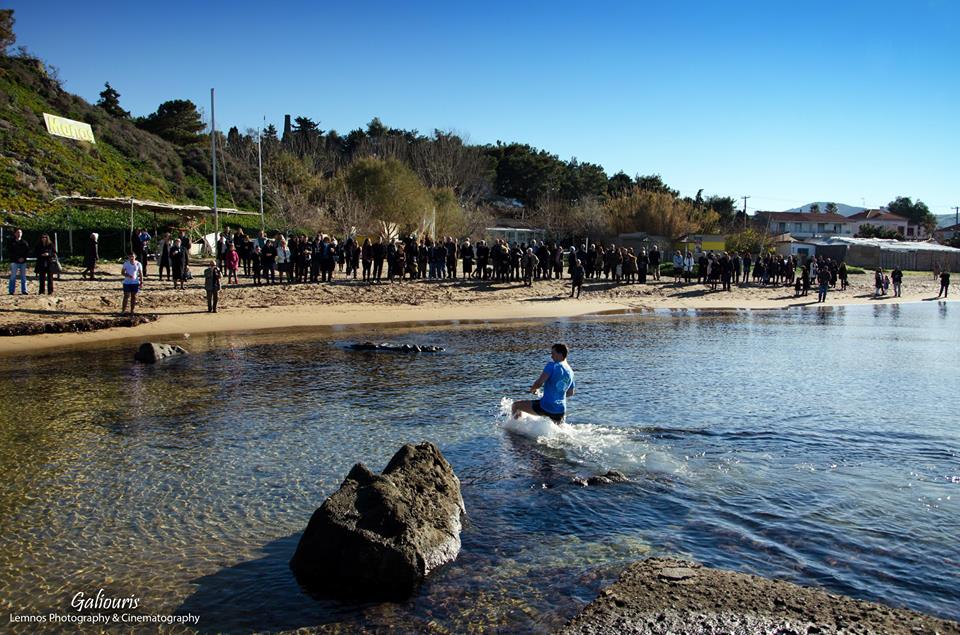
(558, 383)
(19, 251)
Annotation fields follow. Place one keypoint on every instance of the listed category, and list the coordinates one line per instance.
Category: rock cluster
(395, 348)
(151, 353)
(379, 536)
(74, 326)
(664, 595)
(613, 476)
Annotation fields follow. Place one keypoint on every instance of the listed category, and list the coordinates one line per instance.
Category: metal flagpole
(213, 146)
(260, 172)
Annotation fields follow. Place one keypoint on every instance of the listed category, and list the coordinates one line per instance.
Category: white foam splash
(595, 446)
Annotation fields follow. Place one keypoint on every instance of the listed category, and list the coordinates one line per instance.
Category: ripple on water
(810, 446)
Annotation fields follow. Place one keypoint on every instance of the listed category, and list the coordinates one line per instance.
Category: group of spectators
(278, 259)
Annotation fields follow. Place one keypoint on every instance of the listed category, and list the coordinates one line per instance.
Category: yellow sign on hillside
(69, 128)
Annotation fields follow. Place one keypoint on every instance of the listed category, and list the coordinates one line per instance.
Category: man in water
(558, 384)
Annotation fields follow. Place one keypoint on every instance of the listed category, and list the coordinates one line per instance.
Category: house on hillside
(888, 220)
(804, 225)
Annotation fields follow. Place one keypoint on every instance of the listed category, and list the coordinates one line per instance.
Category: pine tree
(110, 101)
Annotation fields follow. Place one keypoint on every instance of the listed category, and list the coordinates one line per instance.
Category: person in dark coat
(466, 252)
(178, 264)
(90, 257)
(163, 257)
(45, 255)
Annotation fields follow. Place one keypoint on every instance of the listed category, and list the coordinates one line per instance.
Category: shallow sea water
(818, 445)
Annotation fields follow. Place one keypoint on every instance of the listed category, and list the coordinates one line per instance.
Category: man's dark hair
(560, 349)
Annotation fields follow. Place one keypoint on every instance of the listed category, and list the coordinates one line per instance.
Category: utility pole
(213, 153)
(260, 172)
(957, 211)
(744, 210)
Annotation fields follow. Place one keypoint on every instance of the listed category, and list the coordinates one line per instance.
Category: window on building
(798, 227)
(783, 227)
(909, 231)
(821, 227)
(836, 228)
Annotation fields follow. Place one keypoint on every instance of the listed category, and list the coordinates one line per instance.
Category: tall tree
(390, 190)
(7, 37)
(654, 183)
(110, 101)
(831, 208)
(917, 213)
(619, 184)
(725, 207)
(815, 208)
(178, 121)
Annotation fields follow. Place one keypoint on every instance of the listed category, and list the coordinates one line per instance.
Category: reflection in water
(759, 441)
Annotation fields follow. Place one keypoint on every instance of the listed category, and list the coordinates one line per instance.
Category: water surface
(818, 446)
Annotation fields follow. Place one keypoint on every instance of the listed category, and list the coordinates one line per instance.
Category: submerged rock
(151, 353)
(613, 476)
(395, 348)
(379, 536)
(663, 595)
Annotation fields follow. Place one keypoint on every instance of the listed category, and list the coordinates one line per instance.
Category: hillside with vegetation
(375, 178)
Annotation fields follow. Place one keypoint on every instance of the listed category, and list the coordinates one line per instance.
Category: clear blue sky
(789, 102)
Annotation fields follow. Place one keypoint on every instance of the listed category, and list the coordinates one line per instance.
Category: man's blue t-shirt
(559, 381)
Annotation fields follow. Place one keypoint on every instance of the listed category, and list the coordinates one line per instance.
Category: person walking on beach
(530, 265)
(823, 282)
(896, 276)
(232, 261)
(132, 278)
(163, 257)
(90, 257)
(46, 257)
(211, 284)
(878, 283)
(19, 251)
(576, 275)
(655, 261)
(558, 384)
(944, 283)
(178, 264)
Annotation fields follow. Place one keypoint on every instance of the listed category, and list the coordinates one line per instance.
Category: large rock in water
(151, 353)
(379, 536)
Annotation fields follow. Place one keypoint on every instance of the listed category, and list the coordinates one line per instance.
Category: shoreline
(307, 316)
(246, 308)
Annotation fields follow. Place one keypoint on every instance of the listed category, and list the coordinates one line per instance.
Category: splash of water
(595, 447)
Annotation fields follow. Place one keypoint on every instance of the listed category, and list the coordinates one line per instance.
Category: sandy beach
(246, 307)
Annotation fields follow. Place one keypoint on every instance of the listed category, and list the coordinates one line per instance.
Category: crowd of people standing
(298, 259)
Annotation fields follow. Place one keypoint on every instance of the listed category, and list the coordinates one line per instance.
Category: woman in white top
(132, 277)
(283, 260)
(688, 266)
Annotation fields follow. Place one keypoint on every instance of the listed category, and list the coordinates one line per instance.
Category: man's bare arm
(540, 381)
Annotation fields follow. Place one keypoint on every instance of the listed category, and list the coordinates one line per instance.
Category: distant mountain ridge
(844, 210)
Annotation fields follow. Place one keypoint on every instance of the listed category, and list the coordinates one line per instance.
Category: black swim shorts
(543, 413)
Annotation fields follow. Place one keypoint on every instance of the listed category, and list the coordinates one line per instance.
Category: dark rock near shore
(663, 595)
(613, 476)
(151, 353)
(379, 536)
(74, 326)
(395, 348)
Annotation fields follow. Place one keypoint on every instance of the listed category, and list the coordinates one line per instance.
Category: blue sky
(855, 102)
